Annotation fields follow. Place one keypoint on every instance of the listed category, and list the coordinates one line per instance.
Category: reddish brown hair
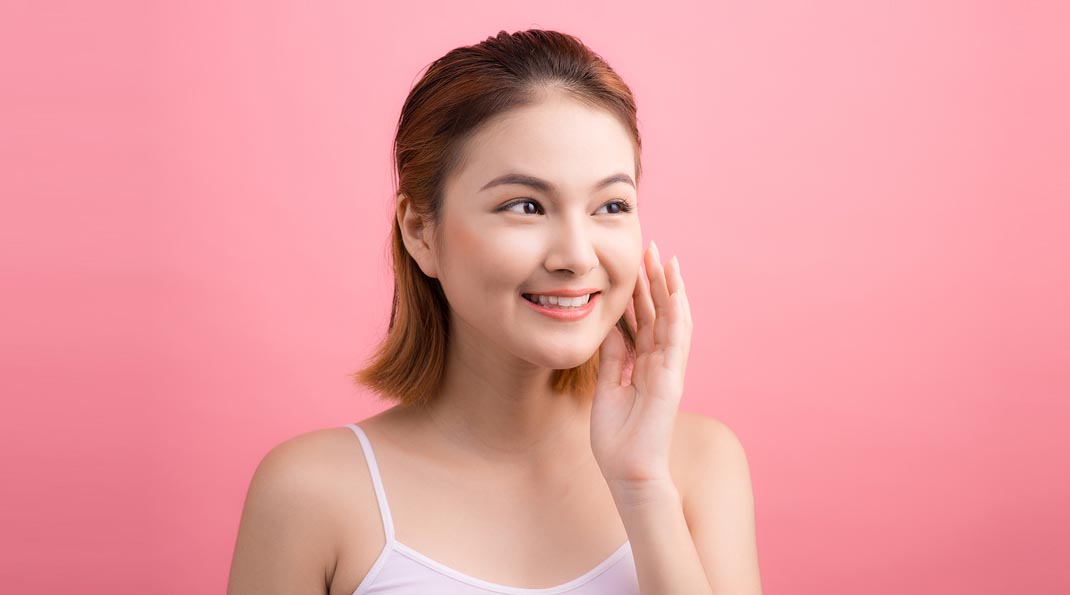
(457, 93)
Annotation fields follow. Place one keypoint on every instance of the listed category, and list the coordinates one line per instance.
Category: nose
(571, 248)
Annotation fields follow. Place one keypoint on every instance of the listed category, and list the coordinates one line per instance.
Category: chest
(491, 532)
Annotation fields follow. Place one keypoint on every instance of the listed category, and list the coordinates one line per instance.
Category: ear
(416, 234)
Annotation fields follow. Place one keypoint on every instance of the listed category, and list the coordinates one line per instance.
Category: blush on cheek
(492, 262)
(463, 247)
(508, 251)
(460, 239)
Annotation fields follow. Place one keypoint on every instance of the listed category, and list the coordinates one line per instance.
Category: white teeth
(561, 302)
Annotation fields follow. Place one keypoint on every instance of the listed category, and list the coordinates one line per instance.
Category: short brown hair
(456, 94)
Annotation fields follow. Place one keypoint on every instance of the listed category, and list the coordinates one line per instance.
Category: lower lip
(562, 313)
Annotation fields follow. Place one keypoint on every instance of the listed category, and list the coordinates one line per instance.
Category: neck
(503, 410)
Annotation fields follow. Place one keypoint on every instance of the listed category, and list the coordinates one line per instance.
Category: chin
(564, 361)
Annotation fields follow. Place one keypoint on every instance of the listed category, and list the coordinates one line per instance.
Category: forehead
(571, 144)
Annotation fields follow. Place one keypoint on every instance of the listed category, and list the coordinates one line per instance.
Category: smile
(563, 308)
(559, 301)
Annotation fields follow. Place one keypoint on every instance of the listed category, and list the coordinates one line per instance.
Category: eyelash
(625, 206)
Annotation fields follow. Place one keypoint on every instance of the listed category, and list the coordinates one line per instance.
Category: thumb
(611, 356)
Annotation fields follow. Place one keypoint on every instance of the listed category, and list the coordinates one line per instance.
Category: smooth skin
(496, 410)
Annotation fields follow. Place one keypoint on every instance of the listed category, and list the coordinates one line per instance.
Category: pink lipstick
(565, 314)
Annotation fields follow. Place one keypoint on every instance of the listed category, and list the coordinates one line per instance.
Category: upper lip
(564, 292)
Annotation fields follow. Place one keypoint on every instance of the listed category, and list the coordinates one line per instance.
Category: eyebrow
(544, 186)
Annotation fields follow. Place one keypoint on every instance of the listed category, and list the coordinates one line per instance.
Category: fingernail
(654, 251)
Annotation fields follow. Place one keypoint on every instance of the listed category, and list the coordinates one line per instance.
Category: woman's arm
(705, 544)
(719, 506)
(285, 542)
(665, 557)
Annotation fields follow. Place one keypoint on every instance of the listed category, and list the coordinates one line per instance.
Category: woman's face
(540, 207)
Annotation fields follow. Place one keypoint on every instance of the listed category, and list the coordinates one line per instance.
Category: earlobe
(415, 234)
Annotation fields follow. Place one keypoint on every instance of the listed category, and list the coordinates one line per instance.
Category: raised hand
(632, 419)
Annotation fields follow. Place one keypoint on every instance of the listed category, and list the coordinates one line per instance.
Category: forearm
(666, 560)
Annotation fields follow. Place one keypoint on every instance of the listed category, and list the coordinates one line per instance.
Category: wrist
(641, 494)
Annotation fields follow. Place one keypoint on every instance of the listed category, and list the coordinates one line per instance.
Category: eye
(622, 206)
(536, 209)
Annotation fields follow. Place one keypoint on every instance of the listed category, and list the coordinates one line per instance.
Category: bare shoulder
(289, 530)
(712, 449)
(308, 466)
(705, 430)
(719, 507)
(312, 455)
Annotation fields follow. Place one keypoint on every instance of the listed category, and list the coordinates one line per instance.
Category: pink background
(869, 201)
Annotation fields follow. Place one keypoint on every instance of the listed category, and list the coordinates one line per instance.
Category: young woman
(535, 445)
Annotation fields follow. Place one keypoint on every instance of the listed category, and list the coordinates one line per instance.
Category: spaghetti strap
(377, 481)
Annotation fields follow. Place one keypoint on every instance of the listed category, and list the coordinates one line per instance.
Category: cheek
(625, 255)
(459, 266)
(460, 241)
(488, 260)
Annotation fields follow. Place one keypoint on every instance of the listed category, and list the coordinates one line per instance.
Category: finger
(675, 319)
(673, 281)
(678, 344)
(687, 310)
(629, 318)
(644, 312)
(674, 314)
(659, 294)
(611, 358)
(683, 290)
(629, 314)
